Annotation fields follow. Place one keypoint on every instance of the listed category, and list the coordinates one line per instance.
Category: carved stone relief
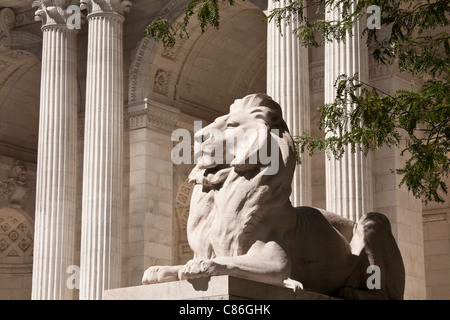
(161, 81)
(16, 238)
(14, 188)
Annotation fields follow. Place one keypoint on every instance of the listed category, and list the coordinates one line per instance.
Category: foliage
(415, 40)
(207, 14)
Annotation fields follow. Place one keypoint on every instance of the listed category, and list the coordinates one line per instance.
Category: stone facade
(89, 127)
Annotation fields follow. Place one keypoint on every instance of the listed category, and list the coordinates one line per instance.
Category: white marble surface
(103, 151)
(56, 170)
(348, 181)
(214, 288)
(288, 84)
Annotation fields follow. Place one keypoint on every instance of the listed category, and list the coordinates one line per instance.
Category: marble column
(348, 181)
(57, 150)
(288, 84)
(103, 150)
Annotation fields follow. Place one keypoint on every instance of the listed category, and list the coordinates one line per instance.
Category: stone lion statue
(243, 224)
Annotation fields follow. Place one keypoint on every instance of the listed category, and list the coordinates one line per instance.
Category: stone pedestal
(215, 288)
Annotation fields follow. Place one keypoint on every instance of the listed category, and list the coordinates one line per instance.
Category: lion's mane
(232, 200)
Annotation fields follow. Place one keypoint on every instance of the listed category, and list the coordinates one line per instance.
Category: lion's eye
(232, 125)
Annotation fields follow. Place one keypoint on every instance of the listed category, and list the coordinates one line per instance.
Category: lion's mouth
(213, 177)
(216, 176)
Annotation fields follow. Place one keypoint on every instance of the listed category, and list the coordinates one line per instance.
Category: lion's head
(252, 140)
(243, 179)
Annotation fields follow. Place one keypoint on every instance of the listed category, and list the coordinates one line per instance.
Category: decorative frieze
(153, 115)
(7, 19)
(172, 53)
(25, 18)
(182, 205)
(16, 269)
(103, 6)
(316, 77)
(431, 217)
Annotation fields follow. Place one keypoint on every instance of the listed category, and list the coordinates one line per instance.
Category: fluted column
(103, 149)
(56, 167)
(348, 181)
(288, 84)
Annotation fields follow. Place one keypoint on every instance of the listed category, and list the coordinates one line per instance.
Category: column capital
(106, 6)
(56, 12)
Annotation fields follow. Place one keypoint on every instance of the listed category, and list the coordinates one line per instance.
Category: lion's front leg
(264, 262)
(198, 268)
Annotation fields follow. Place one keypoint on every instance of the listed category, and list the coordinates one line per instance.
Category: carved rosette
(53, 12)
(103, 6)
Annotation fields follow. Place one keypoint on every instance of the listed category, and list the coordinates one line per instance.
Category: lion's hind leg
(374, 245)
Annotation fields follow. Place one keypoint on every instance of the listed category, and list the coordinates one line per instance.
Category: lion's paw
(293, 284)
(150, 275)
(157, 274)
(201, 268)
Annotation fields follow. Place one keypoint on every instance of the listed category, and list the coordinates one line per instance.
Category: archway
(203, 74)
(19, 104)
(197, 79)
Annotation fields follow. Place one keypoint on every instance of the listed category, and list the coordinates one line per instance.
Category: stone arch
(157, 73)
(20, 72)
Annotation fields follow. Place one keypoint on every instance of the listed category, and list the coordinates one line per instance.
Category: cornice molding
(153, 115)
(106, 6)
